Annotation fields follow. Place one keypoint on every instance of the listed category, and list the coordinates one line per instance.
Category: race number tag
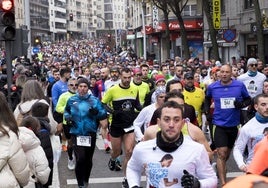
(83, 141)
(131, 128)
(227, 103)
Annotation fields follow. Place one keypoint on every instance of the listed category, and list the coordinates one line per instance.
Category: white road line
(143, 179)
(55, 181)
(101, 180)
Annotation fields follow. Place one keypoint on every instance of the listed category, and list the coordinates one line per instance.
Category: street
(101, 176)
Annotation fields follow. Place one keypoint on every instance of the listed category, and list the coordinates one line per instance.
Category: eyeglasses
(73, 85)
(138, 75)
(253, 65)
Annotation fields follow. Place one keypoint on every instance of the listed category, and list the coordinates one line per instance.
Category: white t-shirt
(143, 120)
(254, 84)
(249, 135)
(190, 156)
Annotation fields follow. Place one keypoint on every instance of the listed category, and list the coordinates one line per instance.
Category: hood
(44, 122)
(28, 139)
(26, 106)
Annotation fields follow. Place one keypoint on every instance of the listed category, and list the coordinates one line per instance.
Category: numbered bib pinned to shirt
(227, 103)
(83, 141)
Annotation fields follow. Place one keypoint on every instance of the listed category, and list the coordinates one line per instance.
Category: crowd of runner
(127, 100)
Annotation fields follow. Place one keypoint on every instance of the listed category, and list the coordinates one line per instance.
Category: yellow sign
(217, 14)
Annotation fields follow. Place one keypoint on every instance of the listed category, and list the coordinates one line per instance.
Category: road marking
(143, 179)
(55, 181)
(234, 174)
(102, 180)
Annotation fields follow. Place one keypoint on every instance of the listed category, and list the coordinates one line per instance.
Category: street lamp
(144, 30)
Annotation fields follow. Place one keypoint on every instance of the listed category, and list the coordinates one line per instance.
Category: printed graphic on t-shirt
(157, 172)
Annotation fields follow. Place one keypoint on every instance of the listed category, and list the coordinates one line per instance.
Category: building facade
(237, 17)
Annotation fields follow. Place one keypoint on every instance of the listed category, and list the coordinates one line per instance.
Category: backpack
(22, 115)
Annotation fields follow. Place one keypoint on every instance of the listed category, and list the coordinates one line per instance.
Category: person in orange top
(247, 181)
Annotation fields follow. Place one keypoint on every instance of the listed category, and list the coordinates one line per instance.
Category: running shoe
(71, 164)
(118, 165)
(111, 164)
(107, 148)
(125, 183)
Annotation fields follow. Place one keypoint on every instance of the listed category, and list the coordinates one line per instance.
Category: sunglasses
(73, 85)
(253, 65)
(161, 97)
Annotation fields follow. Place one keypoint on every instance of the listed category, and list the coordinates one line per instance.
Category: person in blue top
(229, 97)
(84, 113)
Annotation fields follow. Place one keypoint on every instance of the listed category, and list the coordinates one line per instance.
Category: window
(108, 16)
(189, 10)
(249, 4)
(108, 7)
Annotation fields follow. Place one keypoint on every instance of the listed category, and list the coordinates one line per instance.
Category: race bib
(83, 141)
(227, 103)
(131, 128)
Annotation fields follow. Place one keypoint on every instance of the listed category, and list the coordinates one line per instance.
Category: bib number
(227, 103)
(83, 141)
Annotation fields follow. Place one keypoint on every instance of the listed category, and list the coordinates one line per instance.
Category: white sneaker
(71, 164)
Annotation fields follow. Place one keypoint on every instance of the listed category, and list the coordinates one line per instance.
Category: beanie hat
(159, 78)
(83, 80)
(136, 70)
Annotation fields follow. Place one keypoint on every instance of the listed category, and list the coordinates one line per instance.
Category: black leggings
(84, 156)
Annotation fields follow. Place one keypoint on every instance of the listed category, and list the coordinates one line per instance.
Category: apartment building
(111, 21)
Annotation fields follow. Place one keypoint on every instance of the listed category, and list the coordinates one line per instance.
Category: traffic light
(71, 17)
(37, 41)
(7, 20)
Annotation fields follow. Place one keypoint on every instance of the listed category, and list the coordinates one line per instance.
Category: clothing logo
(126, 106)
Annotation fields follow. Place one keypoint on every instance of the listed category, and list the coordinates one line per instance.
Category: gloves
(93, 111)
(69, 122)
(238, 104)
(189, 181)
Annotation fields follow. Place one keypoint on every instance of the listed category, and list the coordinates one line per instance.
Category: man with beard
(60, 87)
(114, 78)
(124, 100)
(56, 77)
(178, 72)
(142, 86)
(203, 77)
(145, 78)
(190, 167)
(193, 95)
(100, 87)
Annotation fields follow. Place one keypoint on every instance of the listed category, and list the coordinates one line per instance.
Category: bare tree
(207, 7)
(163, 6)
(177, 7)
(259, 32)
